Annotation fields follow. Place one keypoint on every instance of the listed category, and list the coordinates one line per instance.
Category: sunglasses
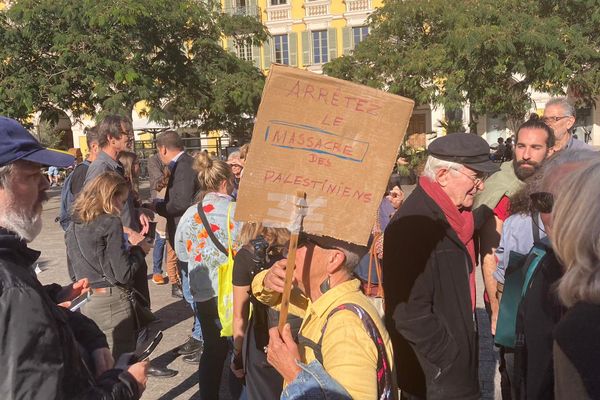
(542, 202)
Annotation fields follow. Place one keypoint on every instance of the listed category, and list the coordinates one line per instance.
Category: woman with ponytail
(198, 243)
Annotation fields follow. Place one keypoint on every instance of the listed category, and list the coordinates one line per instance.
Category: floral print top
(194, 247)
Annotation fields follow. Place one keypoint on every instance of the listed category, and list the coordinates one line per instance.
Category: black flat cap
(464, 148)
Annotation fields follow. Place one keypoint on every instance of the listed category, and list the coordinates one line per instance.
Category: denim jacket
(314, 383)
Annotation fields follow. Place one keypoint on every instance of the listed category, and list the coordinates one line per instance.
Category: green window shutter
(227, 5)
(306, 46)
(332, 43)
(347, 40)
(267, 46)
(293, 48)
(256, 56)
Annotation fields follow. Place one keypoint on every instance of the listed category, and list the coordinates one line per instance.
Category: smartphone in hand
(80, 300)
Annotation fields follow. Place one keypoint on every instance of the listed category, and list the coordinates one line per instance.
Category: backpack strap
(535, 227)
(208, 229)
(385, 388)
(539, 254)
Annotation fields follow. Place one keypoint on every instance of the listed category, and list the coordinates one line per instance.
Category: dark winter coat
(42, 344)
(181, 192)
(428, 310)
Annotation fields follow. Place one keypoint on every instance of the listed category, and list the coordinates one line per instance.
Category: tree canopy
(98, 56)
(486, 52)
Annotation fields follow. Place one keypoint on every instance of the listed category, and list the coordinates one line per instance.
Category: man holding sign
(320, 173)
(350, 345)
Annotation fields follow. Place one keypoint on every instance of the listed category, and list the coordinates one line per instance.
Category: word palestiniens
(325, 186)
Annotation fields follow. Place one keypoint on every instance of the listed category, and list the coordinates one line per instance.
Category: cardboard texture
(335, 140)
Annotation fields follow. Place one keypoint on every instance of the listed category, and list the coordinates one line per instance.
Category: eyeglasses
(477, 179)
(542, 202)
(548, 120)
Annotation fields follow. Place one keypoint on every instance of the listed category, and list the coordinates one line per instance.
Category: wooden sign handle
(291, 263)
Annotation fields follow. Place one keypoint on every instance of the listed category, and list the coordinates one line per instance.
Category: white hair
(564, 103)
(12, 216)
(5, 172)
(434, 164)
(233, 156)
(576, 234)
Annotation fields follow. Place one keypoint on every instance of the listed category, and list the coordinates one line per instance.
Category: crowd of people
(393, 319)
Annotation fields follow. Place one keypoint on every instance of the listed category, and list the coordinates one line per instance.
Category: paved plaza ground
(176, 319)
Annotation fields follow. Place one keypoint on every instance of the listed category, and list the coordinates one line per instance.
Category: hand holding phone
(80, 300)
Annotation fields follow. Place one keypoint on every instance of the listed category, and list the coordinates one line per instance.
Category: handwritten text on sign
(303, 137)
(332, 139)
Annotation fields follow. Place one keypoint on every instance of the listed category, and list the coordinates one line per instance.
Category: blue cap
(16, 143)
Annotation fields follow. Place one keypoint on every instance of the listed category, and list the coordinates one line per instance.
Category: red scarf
(461, 222)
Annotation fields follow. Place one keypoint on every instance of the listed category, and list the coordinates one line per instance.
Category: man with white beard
(46, 351)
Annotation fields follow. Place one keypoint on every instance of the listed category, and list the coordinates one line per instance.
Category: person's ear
(441, 176)
(335, 261)
(223, 185)
(570, 122)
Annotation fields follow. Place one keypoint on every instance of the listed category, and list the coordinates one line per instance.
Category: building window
(359, 33)
(282, 55)
(278, 2)
(244, 51)
(320, 50)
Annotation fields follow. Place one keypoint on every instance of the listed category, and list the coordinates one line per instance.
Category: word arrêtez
(324, 186)
(334, 98)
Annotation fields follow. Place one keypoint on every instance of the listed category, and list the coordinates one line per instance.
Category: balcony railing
(316, 9)
(357, 5)
(243, 10)
(279, 13)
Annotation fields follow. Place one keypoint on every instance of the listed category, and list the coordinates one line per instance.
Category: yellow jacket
(349, 354)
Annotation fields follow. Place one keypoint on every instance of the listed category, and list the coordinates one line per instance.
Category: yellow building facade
(304, 33)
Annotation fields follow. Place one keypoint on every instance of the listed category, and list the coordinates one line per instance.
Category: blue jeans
(187, 295)
(158, 254)
(216, 355)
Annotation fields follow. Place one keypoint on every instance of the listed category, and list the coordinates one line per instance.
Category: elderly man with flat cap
(428, 273)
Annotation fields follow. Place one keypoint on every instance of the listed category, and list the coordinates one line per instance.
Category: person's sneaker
(158, 279)
(190, 347)
(176, 292)
(193, 358)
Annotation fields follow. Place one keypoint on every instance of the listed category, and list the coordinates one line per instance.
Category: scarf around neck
(461, 222)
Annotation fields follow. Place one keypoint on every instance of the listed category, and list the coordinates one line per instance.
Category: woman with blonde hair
(201, 241)
(576, 237)
(99, 252)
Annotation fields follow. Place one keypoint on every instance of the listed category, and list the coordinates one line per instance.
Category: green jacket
(503, 182)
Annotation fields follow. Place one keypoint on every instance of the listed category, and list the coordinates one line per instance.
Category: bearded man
(46, 351)
(533, 143)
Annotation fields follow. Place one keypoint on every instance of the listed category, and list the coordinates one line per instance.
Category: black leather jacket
(41, 344)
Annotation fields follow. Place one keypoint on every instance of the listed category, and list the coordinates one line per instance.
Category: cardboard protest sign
(335, 140)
